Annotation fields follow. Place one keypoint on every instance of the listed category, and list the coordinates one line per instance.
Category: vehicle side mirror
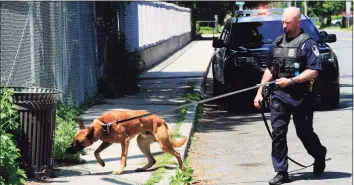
(331, 38)
(217, 43)
(325, 37)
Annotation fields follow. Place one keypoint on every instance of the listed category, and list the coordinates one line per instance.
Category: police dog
(149, 129)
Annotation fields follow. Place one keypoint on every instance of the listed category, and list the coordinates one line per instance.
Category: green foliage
(9, 161)
(65, 129)
(198, 30)
(8, 114)
(325, 9)
(182, 177)
(10, 156)
(157, 176)
(163, 160)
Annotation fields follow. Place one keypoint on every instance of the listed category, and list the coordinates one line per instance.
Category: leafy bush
(64, 134)
(8, 114)
(10, 170)
(65, 129)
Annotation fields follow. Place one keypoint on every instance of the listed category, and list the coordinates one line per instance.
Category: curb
(187, 127)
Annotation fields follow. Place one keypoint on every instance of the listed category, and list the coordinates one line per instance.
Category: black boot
(280, 178)
(320, 164)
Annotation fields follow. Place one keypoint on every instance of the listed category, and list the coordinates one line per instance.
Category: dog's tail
(178, 143)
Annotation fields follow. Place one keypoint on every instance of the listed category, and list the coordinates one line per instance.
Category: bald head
(292, 12)
(291, 21)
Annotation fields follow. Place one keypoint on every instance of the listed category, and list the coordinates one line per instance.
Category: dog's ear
(78, 119)
(94, 134)
(91, 134)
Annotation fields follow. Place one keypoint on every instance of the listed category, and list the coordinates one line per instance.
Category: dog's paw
(118, 172)
(140, 170)
(103, 164)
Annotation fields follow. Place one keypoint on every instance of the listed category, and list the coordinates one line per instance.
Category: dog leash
(214, 98)
(195, 103)
(271, 136)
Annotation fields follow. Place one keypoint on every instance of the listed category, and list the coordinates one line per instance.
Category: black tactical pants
(302, 117)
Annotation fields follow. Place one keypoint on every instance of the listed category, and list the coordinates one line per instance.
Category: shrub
(8, 114)
(65, 129)
(10, 170)
(64, 134)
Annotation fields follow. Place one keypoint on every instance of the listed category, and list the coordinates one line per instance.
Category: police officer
(295, 63)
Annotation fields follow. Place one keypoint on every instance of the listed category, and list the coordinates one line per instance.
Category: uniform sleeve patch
(315, 50)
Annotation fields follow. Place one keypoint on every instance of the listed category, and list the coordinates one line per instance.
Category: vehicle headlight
(248, 60)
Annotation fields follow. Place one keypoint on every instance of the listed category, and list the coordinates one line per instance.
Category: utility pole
(289, 3)
(305, 7)
(347, 6)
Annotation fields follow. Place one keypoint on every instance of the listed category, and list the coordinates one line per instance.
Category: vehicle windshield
(257, 33)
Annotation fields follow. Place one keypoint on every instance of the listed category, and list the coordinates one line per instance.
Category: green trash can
(37, 112)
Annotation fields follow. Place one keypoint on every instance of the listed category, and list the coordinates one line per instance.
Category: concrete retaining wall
(155, 54)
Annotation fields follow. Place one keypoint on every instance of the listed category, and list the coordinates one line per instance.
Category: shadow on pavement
(70, 173)
(326, 175)
(115, 181)
(118, 158)
(133, 171)
(52, 181)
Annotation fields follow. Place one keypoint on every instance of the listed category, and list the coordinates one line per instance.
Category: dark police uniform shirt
(309, 53)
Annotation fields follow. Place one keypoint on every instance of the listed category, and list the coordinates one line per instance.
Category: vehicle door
(221, 53)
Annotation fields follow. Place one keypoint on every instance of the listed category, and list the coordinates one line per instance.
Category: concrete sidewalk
(163, 87)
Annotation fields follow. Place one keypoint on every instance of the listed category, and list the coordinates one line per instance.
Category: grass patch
(186, 177)
(157, 176)
(207, 29)
(165, 159)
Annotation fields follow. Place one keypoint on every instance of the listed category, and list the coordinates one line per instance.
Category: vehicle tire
(337, 24)
(218, 88)
(331, 102)
(233, 103)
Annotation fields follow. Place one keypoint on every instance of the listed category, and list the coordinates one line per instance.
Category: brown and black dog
(149, 129)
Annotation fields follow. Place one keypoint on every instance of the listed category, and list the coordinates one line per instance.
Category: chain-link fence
(50, 44)
(54, 44)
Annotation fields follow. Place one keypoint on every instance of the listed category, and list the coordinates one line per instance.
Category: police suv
(243, 49)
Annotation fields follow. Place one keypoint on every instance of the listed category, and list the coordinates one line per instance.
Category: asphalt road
(343, 48)
(235, 148)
